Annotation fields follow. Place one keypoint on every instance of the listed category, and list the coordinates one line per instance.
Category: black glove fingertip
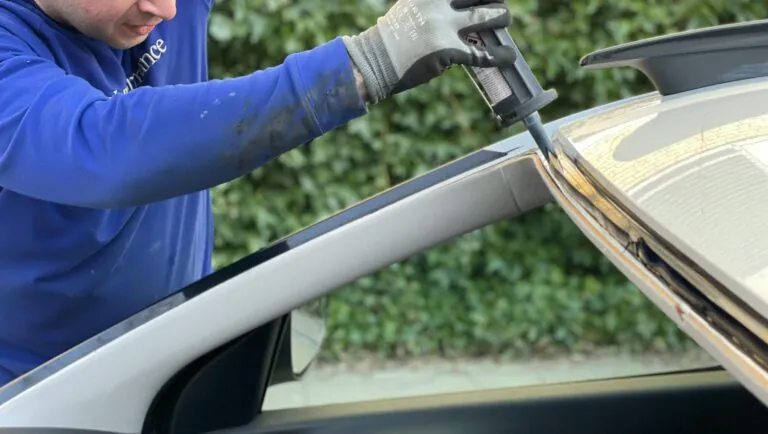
(502, 55)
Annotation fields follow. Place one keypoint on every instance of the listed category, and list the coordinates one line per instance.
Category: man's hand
(417, 40)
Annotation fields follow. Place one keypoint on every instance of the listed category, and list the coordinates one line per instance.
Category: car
(669, 185)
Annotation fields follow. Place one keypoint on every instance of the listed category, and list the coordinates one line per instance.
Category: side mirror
(302, 340)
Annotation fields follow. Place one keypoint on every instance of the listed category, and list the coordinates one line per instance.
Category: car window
(487, 326)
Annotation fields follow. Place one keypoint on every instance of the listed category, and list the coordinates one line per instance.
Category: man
(111, 135)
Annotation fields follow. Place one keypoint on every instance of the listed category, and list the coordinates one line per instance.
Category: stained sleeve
(64, 141)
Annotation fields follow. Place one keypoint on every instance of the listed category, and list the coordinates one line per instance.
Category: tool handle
(524, 95)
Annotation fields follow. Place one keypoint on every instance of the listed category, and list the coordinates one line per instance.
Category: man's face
(120, 23)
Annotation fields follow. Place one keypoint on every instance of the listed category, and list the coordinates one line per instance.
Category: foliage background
(533, 285)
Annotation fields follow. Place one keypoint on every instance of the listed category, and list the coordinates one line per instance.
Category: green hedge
(530, 285)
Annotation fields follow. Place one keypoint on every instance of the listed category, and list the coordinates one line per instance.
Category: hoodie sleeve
(62, 140)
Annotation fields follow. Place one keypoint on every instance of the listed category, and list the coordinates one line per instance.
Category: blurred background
(522, 302)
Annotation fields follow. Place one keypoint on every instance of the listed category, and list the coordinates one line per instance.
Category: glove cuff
(369, 54)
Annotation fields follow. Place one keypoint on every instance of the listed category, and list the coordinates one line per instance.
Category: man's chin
(125, 43)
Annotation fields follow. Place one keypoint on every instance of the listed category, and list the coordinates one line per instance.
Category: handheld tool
(513, 93)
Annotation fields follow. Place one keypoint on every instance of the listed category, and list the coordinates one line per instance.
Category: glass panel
(420, 328)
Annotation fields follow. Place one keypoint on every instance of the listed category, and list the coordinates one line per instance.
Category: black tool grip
(527, 94)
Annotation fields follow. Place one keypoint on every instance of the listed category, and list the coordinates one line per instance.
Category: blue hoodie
(106, 157)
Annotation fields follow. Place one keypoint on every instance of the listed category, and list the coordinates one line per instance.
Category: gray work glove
(417, 40)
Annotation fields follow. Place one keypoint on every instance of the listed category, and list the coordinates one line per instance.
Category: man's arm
(360, 83)
(63, 141)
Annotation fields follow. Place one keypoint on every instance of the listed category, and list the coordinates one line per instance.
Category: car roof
(689, 160)
(694, 169)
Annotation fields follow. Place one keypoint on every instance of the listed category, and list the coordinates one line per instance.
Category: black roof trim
(693, 59)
